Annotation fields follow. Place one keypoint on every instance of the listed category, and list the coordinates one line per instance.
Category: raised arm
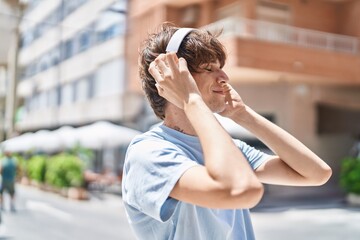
(295, 164)
(227, 180)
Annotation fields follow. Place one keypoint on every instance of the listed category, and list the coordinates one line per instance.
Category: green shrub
(64, 170)
(21, 166)
(85, 154)
(350, 175)
(36, 168)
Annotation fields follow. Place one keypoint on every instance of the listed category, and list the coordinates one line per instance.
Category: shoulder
(152, 141)
(155, 150)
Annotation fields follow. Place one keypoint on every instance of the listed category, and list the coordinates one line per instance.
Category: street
(42, 216)
(329, 221)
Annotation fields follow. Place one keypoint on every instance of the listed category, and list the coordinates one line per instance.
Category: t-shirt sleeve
(254, 156)
(152, 169)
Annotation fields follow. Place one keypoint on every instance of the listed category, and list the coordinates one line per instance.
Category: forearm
(223, 160)
(290, 150)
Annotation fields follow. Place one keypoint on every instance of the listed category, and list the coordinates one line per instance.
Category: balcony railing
(246, 28)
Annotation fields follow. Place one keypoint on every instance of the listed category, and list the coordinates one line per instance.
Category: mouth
(219, 92)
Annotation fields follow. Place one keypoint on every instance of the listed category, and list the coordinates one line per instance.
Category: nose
(222, 77)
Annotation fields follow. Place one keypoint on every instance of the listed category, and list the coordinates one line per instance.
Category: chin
(216, 106)
(217, 109)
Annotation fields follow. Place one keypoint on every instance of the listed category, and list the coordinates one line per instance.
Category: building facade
(294, 61)
(72, 63)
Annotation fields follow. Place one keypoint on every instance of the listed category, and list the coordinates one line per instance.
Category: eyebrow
(215, 64)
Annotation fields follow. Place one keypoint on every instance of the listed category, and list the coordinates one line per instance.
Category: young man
(187, 178)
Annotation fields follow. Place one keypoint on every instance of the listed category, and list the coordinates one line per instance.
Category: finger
(161, 56)
(226, 87)
(228, 98)
(173, 60)
(182, 64)
(160, 89)
(154, 71)
(161, 65)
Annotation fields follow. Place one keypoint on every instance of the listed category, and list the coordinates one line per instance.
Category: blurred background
(69, 86)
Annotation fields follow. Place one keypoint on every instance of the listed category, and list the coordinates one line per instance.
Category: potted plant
(350, 179)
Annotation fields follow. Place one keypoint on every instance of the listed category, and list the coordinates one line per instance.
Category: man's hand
(173, 79)
(234, 103)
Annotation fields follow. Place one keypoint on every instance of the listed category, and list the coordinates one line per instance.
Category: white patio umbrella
(67, 137)
(105, 135)
(45, 141)
(20, 143)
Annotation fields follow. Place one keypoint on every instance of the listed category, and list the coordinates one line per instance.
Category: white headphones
(177, 38)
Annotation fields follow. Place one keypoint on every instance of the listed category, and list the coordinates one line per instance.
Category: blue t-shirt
(8, 169)
(154, 162)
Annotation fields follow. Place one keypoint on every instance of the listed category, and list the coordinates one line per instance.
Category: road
(319, 219)
(43, 216)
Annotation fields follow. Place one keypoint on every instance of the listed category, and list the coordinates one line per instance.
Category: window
(42, 100)
(55, 17)
(65, 8)
(26, 38)
(58, 90)
(84, 41)
(190, 15)
(82, 90)
(68, 49)
(109, 78)
(110, 32)
(41, 28)
(69, 6)
(91, 84)
(22, 73)
(52, 97)
(273, 11)
(27, 104)
(55, 56)
(231, 10)
(337, 119)
(67, 94)
(44, 62)
(31, 69)
(33, 105)
(111, 22)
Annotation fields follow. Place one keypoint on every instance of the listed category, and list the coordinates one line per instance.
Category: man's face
(209, 81)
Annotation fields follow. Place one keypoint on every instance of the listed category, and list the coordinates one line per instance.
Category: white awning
(98, 135)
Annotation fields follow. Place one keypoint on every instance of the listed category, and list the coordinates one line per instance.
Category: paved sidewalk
(330, 219)
(326, 218)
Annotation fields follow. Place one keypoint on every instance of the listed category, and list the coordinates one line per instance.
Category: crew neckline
(179, 135)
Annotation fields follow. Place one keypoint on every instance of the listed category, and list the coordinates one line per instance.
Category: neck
(176, 119)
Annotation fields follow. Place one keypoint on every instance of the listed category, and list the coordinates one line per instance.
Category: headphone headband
(177, 38)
